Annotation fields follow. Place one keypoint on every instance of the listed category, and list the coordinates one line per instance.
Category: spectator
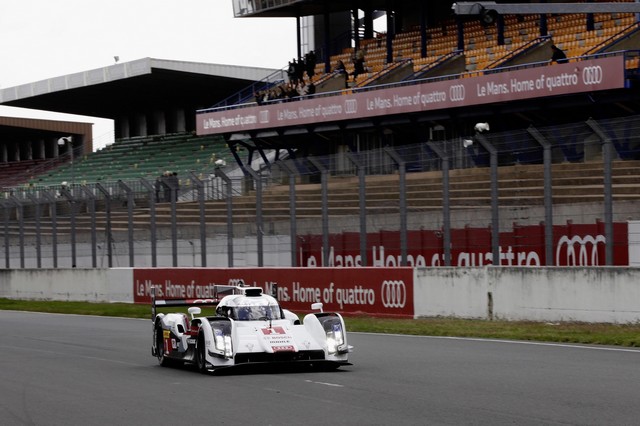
(310, 63)
(158, 188)
(166, 189)
(303, 89)
(291, 70)
(358, 65)
(341, 70)
(175, 185)
(558, 56)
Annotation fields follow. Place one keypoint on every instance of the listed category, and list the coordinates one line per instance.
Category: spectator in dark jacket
(558, 56)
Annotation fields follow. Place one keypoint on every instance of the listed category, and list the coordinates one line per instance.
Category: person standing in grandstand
(358, 65)
(558, 56)
(341, 70)
(310, 64)
(175, 185)
(158, 188)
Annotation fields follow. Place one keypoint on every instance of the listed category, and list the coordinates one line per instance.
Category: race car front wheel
(162, 359)
(201, 358)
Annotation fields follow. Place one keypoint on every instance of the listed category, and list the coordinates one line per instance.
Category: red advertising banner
(535, 82)
(383, 292)
(574, 245)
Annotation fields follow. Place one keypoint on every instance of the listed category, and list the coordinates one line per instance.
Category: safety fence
(560, 195)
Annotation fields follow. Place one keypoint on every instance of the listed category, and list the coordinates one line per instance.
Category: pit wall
(553, 294)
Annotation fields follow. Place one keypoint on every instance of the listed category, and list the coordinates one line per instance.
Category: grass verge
(627, 335)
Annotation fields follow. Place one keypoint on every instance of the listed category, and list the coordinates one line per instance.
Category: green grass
(602, 334)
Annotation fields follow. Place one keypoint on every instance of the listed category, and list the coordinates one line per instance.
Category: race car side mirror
(316, 306)
(193, 311)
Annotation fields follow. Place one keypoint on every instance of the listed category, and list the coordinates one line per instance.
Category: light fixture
(64, 140)
(488, 16)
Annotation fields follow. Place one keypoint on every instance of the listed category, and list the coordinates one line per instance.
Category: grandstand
(358, 124)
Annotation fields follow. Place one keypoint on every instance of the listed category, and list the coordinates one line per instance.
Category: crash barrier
(586, 294)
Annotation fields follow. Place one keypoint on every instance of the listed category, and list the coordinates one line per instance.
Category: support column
(180, 120)
(122, 128)
(159, 125)
(41, 153)
(139, 125)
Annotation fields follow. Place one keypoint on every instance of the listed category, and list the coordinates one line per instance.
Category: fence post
(36, 203)
(608, 188)
(324, 180)
(151, 191)
(72, 203)
(53, 211)
(20, 217)
(203, 229)
(293, 229)
(548, 195)
(495, 219)
(362, 197)
(259, 220)
(92, 211)
(219, 173)
(446, 204)
(129, 193)
(7, 256)
(109, 236)
(403, 202)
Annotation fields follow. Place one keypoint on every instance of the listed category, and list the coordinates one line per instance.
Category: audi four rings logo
(592, 75)
(351, 106)
(394, 294)
(456, 93)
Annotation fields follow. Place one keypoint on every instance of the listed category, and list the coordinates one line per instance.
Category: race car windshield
(255, 313)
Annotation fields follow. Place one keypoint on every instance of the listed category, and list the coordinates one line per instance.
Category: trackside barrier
(585, 294)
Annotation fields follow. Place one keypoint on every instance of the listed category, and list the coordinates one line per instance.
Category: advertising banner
(384, 292)
(574, 245)
(526, 83)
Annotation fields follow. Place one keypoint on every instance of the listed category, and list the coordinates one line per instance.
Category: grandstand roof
(140, 85)
(292, 8)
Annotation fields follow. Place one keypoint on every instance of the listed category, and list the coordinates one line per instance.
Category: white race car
(249, 328)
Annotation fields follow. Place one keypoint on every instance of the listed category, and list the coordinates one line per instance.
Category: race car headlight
(222, 341)
(335, 335)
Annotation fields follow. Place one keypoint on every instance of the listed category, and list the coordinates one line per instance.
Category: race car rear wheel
(201, 358)
(162, 359)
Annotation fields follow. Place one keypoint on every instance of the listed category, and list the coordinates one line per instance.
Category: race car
(248, 328)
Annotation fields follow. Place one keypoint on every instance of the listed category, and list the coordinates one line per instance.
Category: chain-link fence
(539, 196)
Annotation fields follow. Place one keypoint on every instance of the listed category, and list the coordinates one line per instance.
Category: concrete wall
(92, 285)
(597, 294)
(591, 294)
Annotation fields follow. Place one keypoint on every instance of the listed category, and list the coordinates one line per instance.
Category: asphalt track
(74, 370)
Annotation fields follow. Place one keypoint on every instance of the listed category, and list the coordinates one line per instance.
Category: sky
(41, 39)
